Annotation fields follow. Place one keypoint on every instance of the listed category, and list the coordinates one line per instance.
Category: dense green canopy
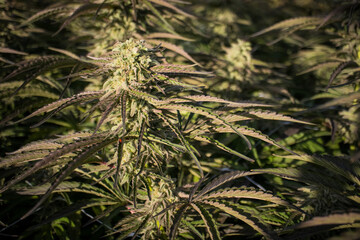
(171, 119)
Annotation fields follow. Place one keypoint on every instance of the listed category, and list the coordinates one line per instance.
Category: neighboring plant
(329, 57)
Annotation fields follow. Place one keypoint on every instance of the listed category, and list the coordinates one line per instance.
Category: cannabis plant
(153, 119)
(148, 121)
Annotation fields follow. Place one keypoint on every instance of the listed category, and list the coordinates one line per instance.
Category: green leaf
(30, 69)
(224, 178)
(174, 48)
(68, 148)
(67, 187)
(38, 145)
(244, 216)
(325, 224)
(244, 193)
(222, 147)
(167, 26)
(16, 159)
(65, 52)
(249, 132)
(185, 143)
(176, 221)
(44, 14)
(307, 176)
(343, 100)
(173, 7)
(166, 35)
(63, 103)
(129, 219)
(69, 169)
(192, 229)
(181, 70)
(204, 98)
(11, 51)
(259, 114)
(293, 22)
(319, 66)
(333, 219)
(204, 112)
(83, 9)
(338, 165)
(208, 220)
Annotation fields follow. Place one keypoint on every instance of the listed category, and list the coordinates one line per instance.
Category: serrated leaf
(44, 14)
(165, 142)
(222, 147)
(166, 35)
(244, 216)
(204, 98)
(325, 224)
(174, 48)
(337, 71)
(192, 229)
(346, 99)
(319, 66)
(166, 25)
(63, 103)
(105, 113)
(208, 220)
(129, 219)
(224, 178)
(259, 114)
(173, 7)
(21, 158)
(142, 95)
(338, 165)
(74, 136)
(67, 187)
(65, 52)
(334, 12)
(204, 112)
(289, 23)
(30, 69)
(174, 82)
(306, 176)
(31, 64)
(143, 224)
(83, 9)
(68, 148)
(69, 169)
(185, 143)
(244, 193)
(248, 132)
(176, 222)
(333, 219)
(178, 70)
(38, 145)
